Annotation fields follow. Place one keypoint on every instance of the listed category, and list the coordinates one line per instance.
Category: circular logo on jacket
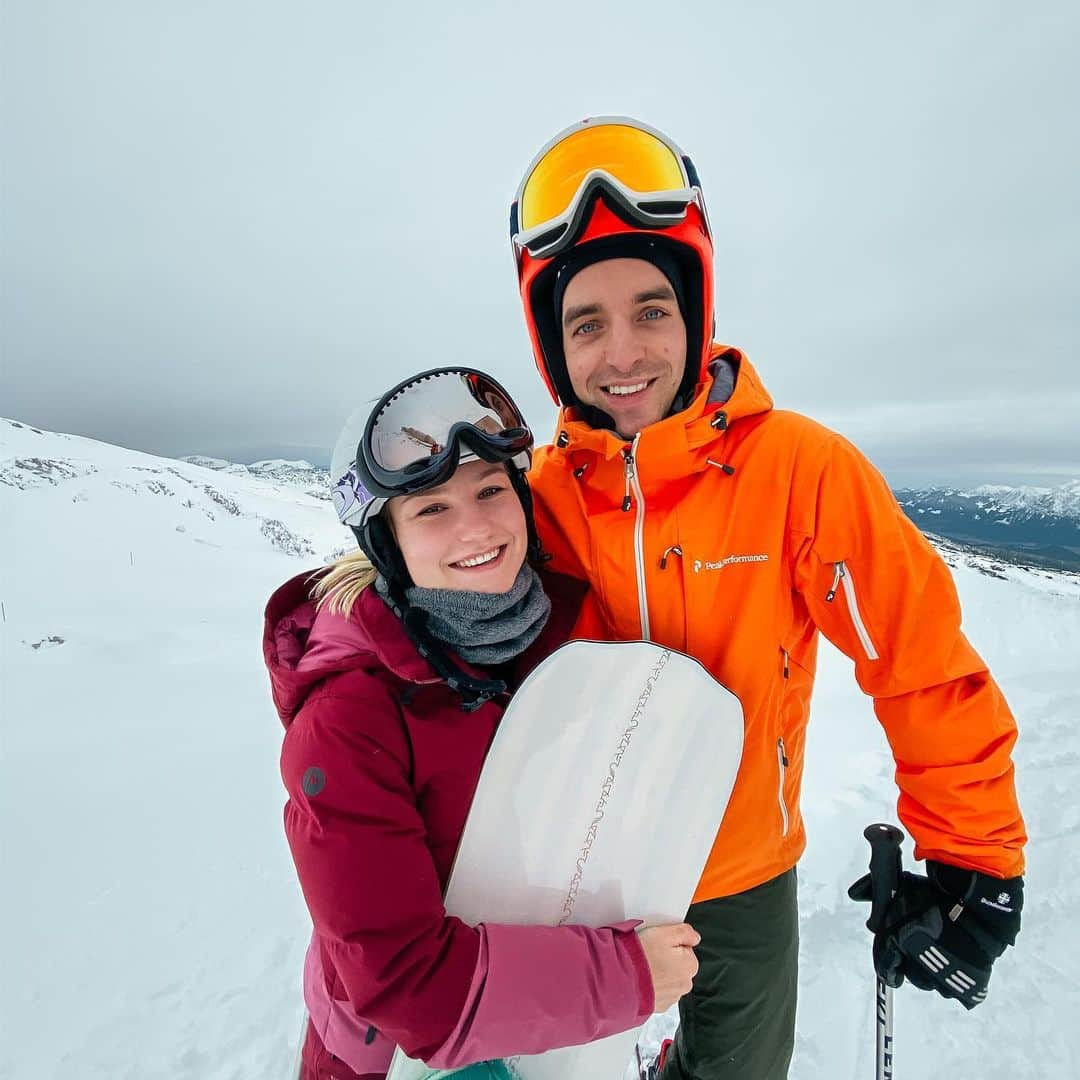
(314, 780)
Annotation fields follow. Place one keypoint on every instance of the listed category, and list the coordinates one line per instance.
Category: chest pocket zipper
(842, 578)
(782, 763)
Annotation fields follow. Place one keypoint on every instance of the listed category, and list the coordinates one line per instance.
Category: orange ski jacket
(734, 532)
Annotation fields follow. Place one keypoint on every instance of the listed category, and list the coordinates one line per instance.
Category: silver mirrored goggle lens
(416, 424)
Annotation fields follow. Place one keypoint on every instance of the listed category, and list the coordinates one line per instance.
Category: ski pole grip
(885, 870)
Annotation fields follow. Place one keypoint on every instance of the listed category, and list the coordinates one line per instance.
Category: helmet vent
(659, 207)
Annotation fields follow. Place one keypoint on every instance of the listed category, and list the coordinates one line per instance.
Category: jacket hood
(711, 412)
(302, 647)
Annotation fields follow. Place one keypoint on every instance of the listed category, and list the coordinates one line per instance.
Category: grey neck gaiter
(485, 628)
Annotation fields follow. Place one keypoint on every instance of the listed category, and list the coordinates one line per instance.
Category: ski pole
(885, 871)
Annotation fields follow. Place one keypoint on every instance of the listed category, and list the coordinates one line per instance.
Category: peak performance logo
(700, 565)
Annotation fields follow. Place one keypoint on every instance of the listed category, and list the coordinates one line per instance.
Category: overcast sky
(226, 224)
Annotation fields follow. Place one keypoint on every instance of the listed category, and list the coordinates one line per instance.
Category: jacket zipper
(782, 762)
(842, 577)
(629, 455)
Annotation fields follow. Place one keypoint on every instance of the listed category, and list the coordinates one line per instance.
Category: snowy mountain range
(304, 476)
(1040, 525)
(153, 928)
(1034, 525)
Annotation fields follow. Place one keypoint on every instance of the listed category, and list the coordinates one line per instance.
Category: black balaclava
(577, 259)
(673, 260)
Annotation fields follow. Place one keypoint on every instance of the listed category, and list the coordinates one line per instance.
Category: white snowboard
(599, 801)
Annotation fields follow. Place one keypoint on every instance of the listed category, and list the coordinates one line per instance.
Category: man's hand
(944, 931)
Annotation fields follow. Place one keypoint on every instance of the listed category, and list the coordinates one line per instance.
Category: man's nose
(625, 348)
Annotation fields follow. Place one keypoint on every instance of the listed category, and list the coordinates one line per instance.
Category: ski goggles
(646, 177)
(418, 434)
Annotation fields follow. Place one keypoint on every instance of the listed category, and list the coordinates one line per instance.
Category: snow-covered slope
(152, 924)
(294, 474)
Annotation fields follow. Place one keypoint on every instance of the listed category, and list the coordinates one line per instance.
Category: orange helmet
(624, 186)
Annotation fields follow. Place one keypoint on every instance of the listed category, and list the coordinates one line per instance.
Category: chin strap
(473, 692)
(535, 550)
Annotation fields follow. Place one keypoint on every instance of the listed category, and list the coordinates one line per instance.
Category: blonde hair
(340, 586)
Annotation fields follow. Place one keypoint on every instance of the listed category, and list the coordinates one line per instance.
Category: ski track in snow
(153, 925)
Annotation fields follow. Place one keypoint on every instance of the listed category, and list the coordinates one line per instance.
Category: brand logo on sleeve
(314, 780)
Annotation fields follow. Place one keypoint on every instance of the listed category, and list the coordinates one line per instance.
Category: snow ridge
(82, 471)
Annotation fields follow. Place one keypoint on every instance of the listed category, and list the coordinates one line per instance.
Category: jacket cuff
(628, 938)
(538, 988)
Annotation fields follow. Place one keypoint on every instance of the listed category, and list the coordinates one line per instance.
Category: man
(710, 522)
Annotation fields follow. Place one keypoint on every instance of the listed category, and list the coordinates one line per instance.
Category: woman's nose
(472, 523)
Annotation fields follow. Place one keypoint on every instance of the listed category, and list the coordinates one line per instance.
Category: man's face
(625, 341)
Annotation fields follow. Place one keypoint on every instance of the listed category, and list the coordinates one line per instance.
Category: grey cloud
(225, 226)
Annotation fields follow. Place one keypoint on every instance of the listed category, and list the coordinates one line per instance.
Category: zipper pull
(629, 458)
(830, 596)
(787, 669)
(783, 753)
(673, 550)
(727, 470)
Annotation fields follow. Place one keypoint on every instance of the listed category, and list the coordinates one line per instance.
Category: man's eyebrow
(661, 292)
(570, 314)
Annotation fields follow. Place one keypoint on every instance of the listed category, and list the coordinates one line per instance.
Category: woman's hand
(669, 951)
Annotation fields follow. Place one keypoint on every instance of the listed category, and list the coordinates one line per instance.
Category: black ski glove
(944, 931)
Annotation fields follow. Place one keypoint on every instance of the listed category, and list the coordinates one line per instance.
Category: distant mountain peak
(309, 478)
(1039, 524)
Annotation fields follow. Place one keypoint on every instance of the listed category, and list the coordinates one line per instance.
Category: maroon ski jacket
(381, 763)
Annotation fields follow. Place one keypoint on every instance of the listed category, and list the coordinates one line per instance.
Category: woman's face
(468, 533)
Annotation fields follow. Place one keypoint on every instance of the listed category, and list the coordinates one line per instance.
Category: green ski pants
(739, 1019)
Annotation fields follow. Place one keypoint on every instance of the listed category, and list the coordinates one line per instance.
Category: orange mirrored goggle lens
(636, 158)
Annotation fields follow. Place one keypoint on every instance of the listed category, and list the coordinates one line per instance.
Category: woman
(391, 674)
